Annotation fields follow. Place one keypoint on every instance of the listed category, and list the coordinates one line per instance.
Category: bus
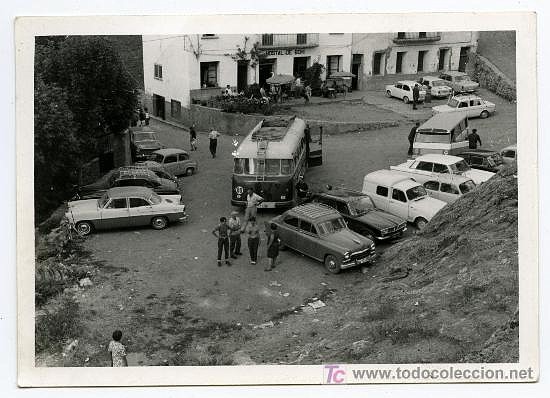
(444, 133)
(271, 159)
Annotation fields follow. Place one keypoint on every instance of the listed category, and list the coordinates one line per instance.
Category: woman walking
(272, 247)
(253, 233)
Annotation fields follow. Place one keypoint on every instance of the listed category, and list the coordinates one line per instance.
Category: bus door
(314, 147)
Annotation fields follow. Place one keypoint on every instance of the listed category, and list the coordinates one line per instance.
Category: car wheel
(159, 222)
(331, 264)
(189, 171)
(406, 99)
(421, 223)
(84, 228)
(484, 115)
(388, 93)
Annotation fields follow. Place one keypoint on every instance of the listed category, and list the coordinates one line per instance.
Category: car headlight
(346, 255)
(372, 245)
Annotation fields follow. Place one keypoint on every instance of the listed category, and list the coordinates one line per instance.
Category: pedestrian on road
(416, 95)
(141, 117)
(272, 247)
(147, 117)
(193, 137)
(473, 139)
(412, 134)
(117, 350)
(307, 93)
(253, 233)
(222, 233)
(252, 202)
(234, 235)
(213, 137)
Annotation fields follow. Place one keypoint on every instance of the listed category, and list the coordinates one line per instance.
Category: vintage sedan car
(318, 231)
(468, 105)
(449, 188)
(404, 91)
(509, 154)
(176, 161)
(483, 159)
(425, 167)
(143, 144)
(125, 177)
(460, 82)
(438, 87)
(361, 215)
(156, 168)
(125, 207)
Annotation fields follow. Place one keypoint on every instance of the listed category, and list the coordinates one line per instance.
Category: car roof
(461, 97)
(346, 195)
(443, 159)
(441, 121)
(509, 147)
(131, 172)
(170, 151)
(431, 78)
(408, 82)
(386, 177)
(123, 192)
(314, 211)
(144, 131)
(454, 73)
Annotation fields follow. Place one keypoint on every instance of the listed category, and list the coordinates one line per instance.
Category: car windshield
(453, 103)
(460, 167)
(417, 192)
(143, 136)
(155, 199)
(331, 226)
(438, 83)
(467, 186)
(462, 78)
(158, 158)
(361, 206)
(101, 202)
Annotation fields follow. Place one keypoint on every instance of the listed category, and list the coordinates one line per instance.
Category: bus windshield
(331, 226)
(254, 166)
(439, 138)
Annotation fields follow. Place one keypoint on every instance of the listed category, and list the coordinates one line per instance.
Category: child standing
(117, 350)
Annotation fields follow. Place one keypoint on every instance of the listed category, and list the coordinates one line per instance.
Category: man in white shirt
(213, 137)
(252, 202)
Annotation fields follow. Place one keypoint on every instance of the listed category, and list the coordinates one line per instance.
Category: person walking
(416, 95)
(147, 117)
(234, 224)
(141, 117)
(117, 350)
(213, 137)
(193, 137)
(253, 234)
(252, 202)
(272, 247)
(222, 233)
(473, 139)
(412, 134)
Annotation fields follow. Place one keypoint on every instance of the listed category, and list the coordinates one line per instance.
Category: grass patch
(57, 325)
(384, 311)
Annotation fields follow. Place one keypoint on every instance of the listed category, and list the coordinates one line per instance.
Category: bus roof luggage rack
(273, 129)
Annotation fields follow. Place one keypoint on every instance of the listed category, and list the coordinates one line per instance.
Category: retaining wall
(490, 77)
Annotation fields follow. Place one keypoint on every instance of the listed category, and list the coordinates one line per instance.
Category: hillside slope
(448, 294)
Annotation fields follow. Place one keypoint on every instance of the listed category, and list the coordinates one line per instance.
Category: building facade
(180, 69)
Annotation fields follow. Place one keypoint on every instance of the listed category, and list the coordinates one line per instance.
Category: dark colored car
(361, 214)
(318, 231)
(143, 144)
(156, 168)
(483, 159)
(128, 177)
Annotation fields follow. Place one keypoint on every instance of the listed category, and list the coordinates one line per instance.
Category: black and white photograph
(218, 200)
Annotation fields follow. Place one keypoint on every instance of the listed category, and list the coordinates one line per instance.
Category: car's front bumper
(391, 235)
(360, 261)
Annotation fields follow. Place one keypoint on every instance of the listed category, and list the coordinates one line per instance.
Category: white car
(426, 167)
(509, 154)
(460, 82)
(449, 188)
(404, 91)
(401, 196)
(468, 105)
(438, 87)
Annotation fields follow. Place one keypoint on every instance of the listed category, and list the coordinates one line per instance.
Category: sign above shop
(296, 51)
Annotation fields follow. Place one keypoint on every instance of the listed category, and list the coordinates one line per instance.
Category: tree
(312, 77)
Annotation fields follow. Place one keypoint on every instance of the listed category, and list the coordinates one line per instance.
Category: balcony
(287, 41)
(416, 37)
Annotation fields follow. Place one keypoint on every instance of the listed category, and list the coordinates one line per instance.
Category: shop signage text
(296, 51)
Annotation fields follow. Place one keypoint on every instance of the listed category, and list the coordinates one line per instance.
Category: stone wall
(490, 77)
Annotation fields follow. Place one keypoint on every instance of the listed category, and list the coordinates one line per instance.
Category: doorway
(300, 66)
(158, 106)
(443, 54)
(463, 60)
(399, 62)
(420, 64)
(266, 67)
(377, 63)
(357, 60)
(242, 75)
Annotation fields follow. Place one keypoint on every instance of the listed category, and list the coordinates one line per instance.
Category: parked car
(176, 161)
(143, 144)
(125, 207)
(483, 159)
(128, 176)
(509, 154)
(320, 232)
(469, 105)
(361, 215)
(404, 91)
(425, 167)
(449, 188)
(401, 196)
(438, 87)
(156, 168)
(460, 82)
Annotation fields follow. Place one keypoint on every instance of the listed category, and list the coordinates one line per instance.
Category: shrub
(57, 325)
(489, 77)
(312, 77)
